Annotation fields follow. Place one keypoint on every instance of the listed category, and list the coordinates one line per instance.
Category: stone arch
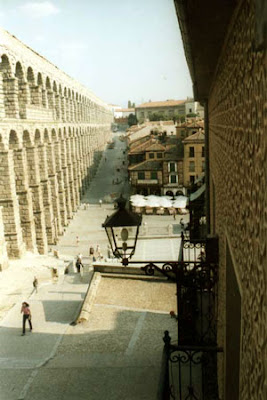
(5, 66)
(50, 94)
(40, 84)
(46, 136)
(57, 101)
(26, 139)
(37, 137)
(13, 140)
(8, 88)
(54, 135)
(22, 91)
(48, 83)
(33, 89)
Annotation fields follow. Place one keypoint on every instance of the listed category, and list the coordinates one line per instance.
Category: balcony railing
(189, 363)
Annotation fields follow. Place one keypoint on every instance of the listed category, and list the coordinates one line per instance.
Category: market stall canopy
(180, 202)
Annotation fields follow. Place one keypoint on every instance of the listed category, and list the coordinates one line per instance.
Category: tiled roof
(128, 110)
(147, 166)
(155, 147)
(196, 137)
(168, 103)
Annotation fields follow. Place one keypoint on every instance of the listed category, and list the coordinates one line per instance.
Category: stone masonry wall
(238, 136)
(52, 133)
(3, 251)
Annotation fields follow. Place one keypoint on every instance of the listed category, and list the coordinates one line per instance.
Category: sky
(120, 49)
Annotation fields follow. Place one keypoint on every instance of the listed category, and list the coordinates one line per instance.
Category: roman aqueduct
(52, 133)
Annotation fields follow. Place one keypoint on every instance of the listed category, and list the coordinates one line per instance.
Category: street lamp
(122, 229)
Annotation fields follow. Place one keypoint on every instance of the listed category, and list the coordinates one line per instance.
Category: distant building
(169, 108)
(127, 111)
(194, 157)
(189, 127)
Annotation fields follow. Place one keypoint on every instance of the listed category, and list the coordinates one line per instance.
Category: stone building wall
(3, 251)
(52, 133)
(238, 136)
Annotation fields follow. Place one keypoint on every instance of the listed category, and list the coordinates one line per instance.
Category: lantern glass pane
(120, 239)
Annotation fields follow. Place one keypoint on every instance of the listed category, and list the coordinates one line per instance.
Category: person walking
(35, 284)
(182, 224)
(25, 310)
(79, 263)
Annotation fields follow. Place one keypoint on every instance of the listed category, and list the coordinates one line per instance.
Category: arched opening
(40, 84)
(5, 67)
(31, 83)
(22, 92)
(169, 193)
(46, 136)
(5, 70)
(49, 93)
(13, 140)
(26, 139)
(37, 137)
(57, 101)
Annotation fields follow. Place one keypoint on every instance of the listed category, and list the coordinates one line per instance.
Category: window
(191, 152)
(172, 167)
(141, 175)
(159, 155)
(151, 155)
(173, 179)
(192, 178)
(203, 152)
(154, 175)
(142, 114)
(192, 166)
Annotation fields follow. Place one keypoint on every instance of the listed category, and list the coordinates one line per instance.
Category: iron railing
(189, 365)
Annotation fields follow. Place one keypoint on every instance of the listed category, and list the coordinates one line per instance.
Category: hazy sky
(120, 49)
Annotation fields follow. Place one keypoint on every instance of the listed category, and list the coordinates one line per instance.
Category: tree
(178, 118)
(129, 104)
(132, 120)
(191, 115)
(158, 116)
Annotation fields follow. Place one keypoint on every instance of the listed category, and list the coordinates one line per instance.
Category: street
(116, 354)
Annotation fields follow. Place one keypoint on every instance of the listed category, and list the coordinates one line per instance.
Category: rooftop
(147, 166)
(167, 103)
(196, 137)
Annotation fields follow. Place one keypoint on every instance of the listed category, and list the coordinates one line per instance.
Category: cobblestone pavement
(114, 355)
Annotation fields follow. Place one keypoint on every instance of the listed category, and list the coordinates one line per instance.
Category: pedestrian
(100, 202)
(182, 224)
(35, 284)
(25, 309)
(91, 251)
(79, 263)
(97, 251)
(174, 213)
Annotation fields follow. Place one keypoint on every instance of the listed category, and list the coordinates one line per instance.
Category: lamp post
(196, 283)
(122, 229)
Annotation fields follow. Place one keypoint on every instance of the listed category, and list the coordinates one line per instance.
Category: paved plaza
(116, 353)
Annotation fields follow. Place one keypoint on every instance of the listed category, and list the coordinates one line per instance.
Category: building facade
(230, 78)
(194, 158)
(52, 132)
(168, 108)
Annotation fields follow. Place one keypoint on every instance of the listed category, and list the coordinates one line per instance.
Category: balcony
(189, 362)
